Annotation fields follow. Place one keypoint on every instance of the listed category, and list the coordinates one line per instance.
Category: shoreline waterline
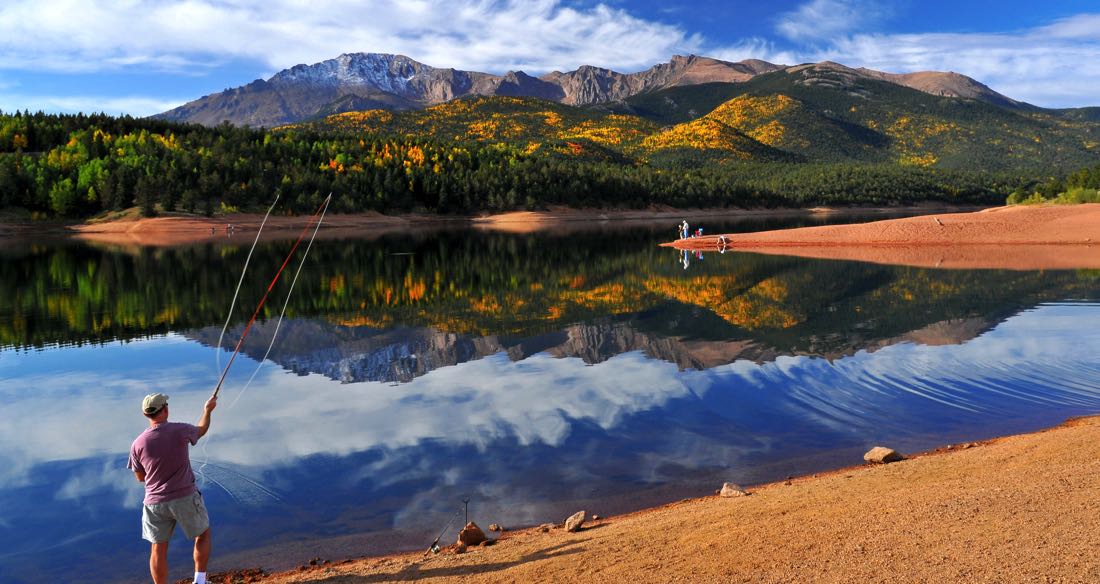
(183, 229)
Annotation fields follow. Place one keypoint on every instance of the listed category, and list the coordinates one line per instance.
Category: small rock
(471, 535)
(969, 445)
(882, 455)
(486, 543)
(546, 527)
(787, 482)
(732, 490)
(595, 518)
(575, 521)
(460, 548)
(495, 527)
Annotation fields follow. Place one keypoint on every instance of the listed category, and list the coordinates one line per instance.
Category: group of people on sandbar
(685, 231)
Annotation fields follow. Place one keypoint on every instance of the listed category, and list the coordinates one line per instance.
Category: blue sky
(141, 57)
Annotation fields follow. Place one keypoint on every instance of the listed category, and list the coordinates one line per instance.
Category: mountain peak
(945, 84)
(395, 81)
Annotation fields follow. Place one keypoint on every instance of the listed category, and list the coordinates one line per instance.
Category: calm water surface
(535, 374)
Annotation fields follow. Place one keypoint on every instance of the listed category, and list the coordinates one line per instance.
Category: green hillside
(534, 125)
(924, 130)
(816, 113)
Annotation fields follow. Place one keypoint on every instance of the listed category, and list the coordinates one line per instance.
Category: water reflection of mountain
(503, 287)
(355, 354)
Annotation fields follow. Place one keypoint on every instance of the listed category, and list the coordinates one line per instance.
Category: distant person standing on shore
(159, 458)
(684, 229)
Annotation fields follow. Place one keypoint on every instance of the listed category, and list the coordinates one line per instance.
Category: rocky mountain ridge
(399, 355)
(358, 81)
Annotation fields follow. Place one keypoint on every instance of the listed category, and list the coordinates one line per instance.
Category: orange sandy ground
(1017, 509)
(1019, 238)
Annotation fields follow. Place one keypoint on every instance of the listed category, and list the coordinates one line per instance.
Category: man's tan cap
(153, 403)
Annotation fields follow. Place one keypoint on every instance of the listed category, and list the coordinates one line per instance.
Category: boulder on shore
(575, 521)
(732, 490)
(882, 455)
(471, 535)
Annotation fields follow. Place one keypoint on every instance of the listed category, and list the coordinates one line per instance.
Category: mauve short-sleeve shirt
(161, 452)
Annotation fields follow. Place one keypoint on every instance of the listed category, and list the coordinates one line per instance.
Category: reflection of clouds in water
(287, 417)
(75, 415)
(106, 477)
(476, 403)
(538, 402)
(1036, 357)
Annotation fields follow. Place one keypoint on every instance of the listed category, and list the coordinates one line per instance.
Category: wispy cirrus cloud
(1053, 65)
(136, 105)
(824, 20)
(756, 48)
(491, 35)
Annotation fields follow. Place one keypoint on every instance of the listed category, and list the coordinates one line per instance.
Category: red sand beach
(1018, 238)
(1016, 509)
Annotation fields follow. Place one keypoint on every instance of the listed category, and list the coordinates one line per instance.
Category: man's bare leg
(158, 562)
(202, 551)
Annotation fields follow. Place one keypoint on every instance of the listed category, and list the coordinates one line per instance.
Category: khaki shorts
(159, 519)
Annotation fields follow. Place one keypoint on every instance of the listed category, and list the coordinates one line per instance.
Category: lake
(535, 374)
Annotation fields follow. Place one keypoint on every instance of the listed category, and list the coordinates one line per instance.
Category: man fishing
(159, 458)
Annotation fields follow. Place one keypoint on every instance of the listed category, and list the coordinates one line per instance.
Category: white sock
(200, 577)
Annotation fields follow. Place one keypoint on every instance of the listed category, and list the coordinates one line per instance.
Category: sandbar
(1016, 238)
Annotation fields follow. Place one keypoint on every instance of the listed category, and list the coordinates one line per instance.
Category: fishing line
(233, 304)
(319, 216)
(274, 280)
(286, 302)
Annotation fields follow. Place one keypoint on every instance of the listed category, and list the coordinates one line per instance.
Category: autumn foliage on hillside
(492, 154)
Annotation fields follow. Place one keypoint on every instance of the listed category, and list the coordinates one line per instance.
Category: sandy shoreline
(1015, 509)
(1018, 238)
(179, 229)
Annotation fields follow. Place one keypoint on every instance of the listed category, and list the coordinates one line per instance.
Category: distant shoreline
(182, 229)
(1015, 238)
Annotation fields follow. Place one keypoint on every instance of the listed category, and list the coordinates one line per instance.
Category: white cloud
(1056, 65)
(827, 19)
(134, 105)
(490, 35)
(475, 403)
(755, 48)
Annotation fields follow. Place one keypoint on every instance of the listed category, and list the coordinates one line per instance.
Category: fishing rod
(282, 313)
(434, 548)
(256, 313)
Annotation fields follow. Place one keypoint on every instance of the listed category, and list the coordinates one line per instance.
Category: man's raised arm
(204, 421)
